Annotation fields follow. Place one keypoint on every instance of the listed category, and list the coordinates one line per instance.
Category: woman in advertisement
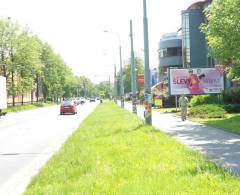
(194, 82)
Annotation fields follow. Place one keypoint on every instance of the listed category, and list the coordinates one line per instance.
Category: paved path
(28, 139)
(220, 146)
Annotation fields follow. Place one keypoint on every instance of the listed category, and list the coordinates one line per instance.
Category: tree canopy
(27, 62)
(223, 33)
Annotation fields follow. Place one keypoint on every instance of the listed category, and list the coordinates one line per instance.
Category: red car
(68, 107)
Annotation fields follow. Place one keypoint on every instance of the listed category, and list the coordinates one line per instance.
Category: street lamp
(121, 71)
(133, 72)
(147, 87)
(115, 93)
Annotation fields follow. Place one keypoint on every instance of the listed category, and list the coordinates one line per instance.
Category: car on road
(82, 100)
(68, 106)
(92, 99)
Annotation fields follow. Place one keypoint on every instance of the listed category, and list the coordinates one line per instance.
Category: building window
(170, 52)
(186, 40)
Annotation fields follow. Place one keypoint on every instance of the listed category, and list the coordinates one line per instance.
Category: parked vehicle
(82, 100)
(92, 99)
(68, 106)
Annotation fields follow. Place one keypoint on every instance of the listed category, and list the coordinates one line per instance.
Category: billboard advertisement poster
(196, 81)
(3, 93)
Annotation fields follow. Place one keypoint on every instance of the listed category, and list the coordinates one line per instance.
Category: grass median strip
(114, 152)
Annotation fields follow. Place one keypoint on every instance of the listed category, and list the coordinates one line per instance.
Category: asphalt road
(28, 139)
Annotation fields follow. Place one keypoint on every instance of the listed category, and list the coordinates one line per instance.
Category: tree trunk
(37, 92)
(13, 90)
(32, 97)
(22, 99)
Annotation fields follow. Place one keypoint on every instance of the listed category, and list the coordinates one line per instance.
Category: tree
(127, 73)
(104, 89)
(53, 73)
(84, 87)
(223, 33)
(28, 63)
(8, 37)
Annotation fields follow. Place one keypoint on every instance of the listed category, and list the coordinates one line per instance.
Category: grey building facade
(195, 51)
(170, 53)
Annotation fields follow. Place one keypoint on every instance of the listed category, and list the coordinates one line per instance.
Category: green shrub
(203, 99)
(232, 108)
(231, 96)
(207, 111)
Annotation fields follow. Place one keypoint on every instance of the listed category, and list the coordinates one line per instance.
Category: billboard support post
(176, 102)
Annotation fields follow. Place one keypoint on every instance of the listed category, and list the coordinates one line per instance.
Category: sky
(75, 29)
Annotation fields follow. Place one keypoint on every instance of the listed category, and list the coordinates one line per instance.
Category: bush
(231, 96)
(207, 111)
(203, 99)
(232, 108)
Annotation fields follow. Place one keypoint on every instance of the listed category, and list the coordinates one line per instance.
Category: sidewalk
(220, 146)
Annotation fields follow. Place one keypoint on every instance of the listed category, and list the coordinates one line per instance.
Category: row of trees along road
(26, 61)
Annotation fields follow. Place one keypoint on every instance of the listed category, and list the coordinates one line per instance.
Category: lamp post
(121, 71)
(133, 72)
(115, 93)
(115, 84)
(147, 88)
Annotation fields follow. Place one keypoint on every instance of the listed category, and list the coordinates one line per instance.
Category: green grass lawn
(114, 152)
(230, 123)
(19, 108)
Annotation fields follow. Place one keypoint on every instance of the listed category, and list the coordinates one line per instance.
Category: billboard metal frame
(205, 90)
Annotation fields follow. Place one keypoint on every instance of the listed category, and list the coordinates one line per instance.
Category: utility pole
(133, 73)
(109, 87)
(121, 70)
(115, 84)
(121, 78)
(147, 87)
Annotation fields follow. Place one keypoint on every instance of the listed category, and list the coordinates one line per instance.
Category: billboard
(196, 81)
(3, 93)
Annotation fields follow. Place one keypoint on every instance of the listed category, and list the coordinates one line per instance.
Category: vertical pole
(133, 73)
(115, 84)
(121, 78)
(37, 94)
(147, 88)
(176, 102)
(109, 86)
